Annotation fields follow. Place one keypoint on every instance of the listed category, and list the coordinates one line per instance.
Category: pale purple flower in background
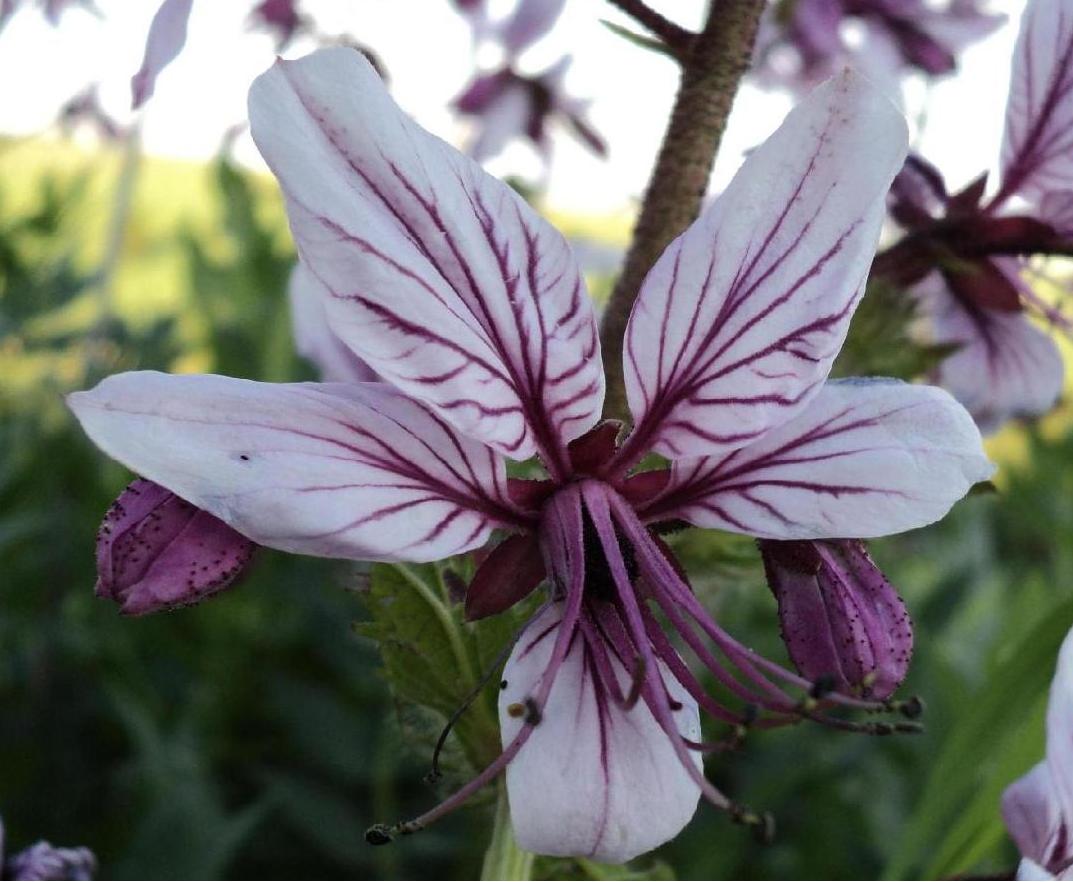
(1038, 808)
(508, 105)
(281, 18)
(505, 103)
(167, 36)
(842, 621)
(966, 254)
(44, 861)
(471, 309)
(804, 41)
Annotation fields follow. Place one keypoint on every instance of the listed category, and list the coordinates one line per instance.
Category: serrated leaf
(433, 660)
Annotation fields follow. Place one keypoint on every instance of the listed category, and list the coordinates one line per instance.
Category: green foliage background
(256, 735)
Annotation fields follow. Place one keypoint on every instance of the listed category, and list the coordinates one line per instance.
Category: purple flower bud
(156, 551)
(842, 621)
(44, 861)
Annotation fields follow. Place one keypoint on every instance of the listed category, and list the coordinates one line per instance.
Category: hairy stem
(712, 68)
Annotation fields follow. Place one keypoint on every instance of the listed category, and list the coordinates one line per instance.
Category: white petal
(1004, 366)
(1037, 148)
(593, 780)
(1032, 814)
(866, 458)
(738, 323)
(1060, 732)
(441, 278)
(313, 338)
(336, 470)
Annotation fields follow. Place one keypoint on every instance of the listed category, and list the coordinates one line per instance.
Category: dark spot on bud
(532, 712)
(244, 457)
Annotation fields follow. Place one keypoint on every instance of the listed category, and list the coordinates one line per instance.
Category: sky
(426, 48)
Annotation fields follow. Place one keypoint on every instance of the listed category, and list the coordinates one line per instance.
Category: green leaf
(433, 660)
(645, 42)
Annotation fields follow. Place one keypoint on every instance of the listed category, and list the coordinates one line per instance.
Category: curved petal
(313, 338)
(1031, 813)
(1004, 365)
(167, 36)
(1037, 147)
(441, 277)
(1060, 738)
(737, 324)
(866, 458)
(594, 780)
(355, 470)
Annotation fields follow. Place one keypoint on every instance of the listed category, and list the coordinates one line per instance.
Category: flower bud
(842, 621)
(156, 551)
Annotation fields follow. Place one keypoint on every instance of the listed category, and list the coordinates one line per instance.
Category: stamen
(565, 542)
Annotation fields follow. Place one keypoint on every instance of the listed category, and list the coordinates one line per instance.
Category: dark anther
(822, 687)
(532, 712)
(502, 684)
(516, 709)
(912, 708)
(749, 714)
(676, 705)
(378, 834)
(432, 777)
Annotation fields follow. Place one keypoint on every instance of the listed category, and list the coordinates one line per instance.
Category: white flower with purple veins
(471, 310)
(804, 41)
(1038, 808)
(968, 254)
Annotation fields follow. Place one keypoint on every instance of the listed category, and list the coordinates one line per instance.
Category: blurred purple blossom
(802, 42)
(44, 861)
(966, 254)
(507, 105)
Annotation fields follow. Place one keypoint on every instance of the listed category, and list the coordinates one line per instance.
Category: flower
(510, 105)
(43, 861)
(842, 621)
(167, 36)
(804, 41)
(1038, 808)
(966, 254)
(507, 104)
(471, 309)
(156, 551)
(280, 17)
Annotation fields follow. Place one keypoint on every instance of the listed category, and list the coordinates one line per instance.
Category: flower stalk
(712, 68)
(504, 859)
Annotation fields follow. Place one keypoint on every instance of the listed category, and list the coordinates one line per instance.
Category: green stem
(712, 68)
(504, 859)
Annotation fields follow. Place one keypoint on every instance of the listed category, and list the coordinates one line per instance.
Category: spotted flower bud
(44, 861)
(842, 621)
(156, 551)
